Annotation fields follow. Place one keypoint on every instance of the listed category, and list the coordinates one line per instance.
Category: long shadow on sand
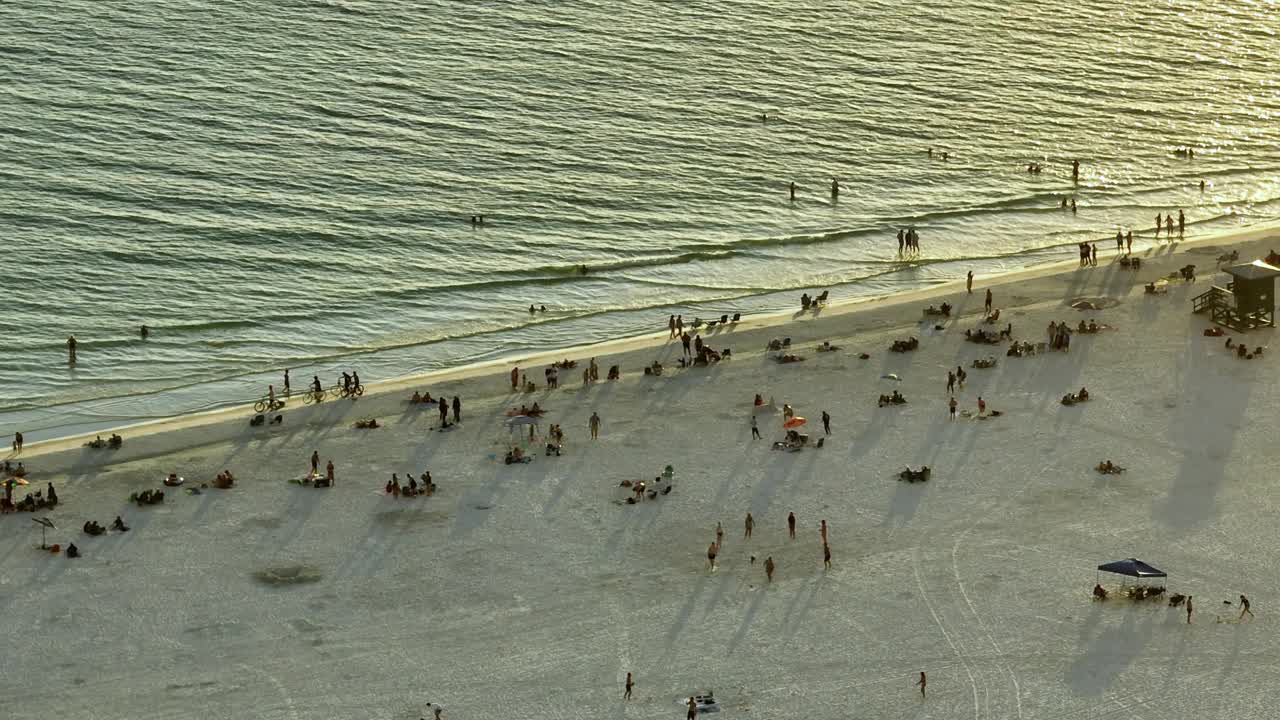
(1109, 652)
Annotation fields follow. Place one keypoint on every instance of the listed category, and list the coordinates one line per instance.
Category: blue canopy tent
(1133, 568)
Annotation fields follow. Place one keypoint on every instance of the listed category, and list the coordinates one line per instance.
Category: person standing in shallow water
(793, 192)
(835, 189)
(71, 349)
(968, 283)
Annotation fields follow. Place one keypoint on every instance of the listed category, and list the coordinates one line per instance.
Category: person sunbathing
(1099, 593)
(93, 528)
(115, 442)
(119, 525)
(826, 346)
(1082, 395)
(758, 401)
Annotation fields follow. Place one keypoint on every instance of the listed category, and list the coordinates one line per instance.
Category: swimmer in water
(793, 191)
(835, 188)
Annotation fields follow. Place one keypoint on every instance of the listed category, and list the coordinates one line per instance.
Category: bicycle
(340, 392)
(261, 406)
(313, 396)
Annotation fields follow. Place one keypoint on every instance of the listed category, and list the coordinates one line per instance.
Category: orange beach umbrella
(794, 422)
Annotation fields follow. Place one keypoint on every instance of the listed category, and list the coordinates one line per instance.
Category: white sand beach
(530, 590)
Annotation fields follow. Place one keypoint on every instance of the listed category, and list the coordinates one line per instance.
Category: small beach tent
(1133, 568)
(519, 422)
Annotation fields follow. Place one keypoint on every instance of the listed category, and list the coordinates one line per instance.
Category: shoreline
(377, 393)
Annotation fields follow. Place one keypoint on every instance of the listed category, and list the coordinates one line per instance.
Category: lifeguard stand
(1247, 302)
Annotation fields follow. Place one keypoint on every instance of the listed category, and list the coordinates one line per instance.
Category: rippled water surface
(289, 184)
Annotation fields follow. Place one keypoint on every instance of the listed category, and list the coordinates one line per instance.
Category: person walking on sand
(748, 525)
(515, 377)
(315, 462)
(826, 422)
(271, 397)
(679, 325)
(968, 283)
(951, 382)
(1128, 242)
(961, 375)
(755, 429)
(17, 442)
(711, 557)
(1093, 254)
(671, 326)
(287, 390)
(594, 424)
(630, 684)
(1182, 222)
(826, 556)
(719, 535)
(791, 525)
(1189, 608)
(1244, 607)
(685, 340)
(987, 303)
(922, 682)
(823, 531)
(71, 349)
(982, 406)
(444, 411)
(328, 473)
(768, 568)
(951, 406)
(457, 409)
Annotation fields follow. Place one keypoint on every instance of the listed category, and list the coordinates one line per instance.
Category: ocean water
(289, 184)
